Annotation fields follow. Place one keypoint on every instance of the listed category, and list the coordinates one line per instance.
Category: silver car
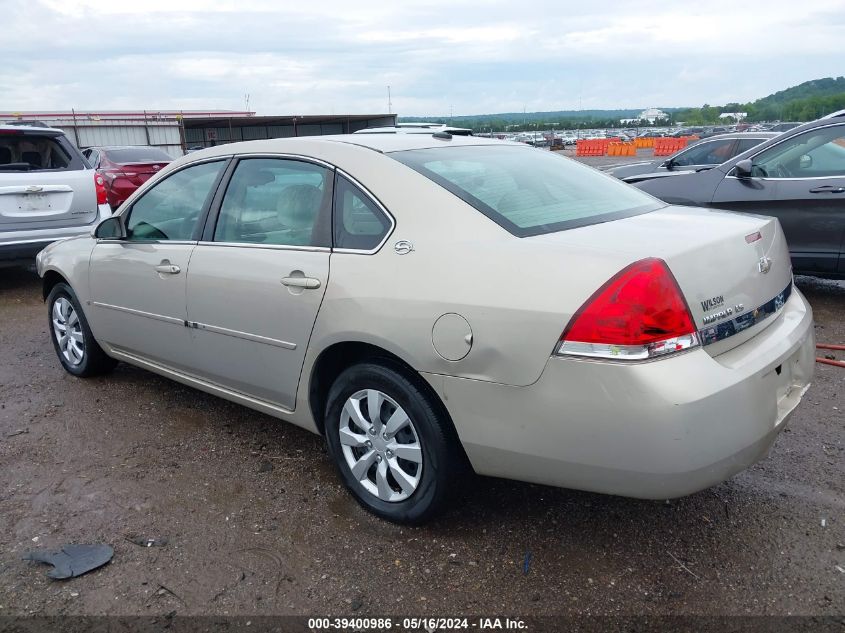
(428, 302)
(47, 192)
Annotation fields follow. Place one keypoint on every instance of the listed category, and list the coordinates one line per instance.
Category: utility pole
(389, 102)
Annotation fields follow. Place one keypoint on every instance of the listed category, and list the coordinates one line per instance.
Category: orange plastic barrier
(621, 149)
(645, 142)
(591, 147)
(668, 146)
(594, 147)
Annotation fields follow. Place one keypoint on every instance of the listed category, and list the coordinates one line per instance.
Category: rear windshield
(137, 155)
(528, 191)
(33, 152)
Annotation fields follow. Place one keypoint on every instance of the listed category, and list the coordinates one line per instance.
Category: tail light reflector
(100, 186)
(640, 313)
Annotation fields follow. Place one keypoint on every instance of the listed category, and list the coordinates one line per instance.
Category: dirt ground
(256, 522)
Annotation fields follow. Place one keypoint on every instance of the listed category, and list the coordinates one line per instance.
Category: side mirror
(111, 228)
(743, 168)
(669, 164)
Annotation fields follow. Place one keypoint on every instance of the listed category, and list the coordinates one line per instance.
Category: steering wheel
(781, 171)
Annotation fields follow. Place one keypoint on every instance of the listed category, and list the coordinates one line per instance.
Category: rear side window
(528, 191)
(32, 152)
(137, 155)
(358, 223)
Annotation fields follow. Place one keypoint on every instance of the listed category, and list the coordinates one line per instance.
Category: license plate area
(786, 385)
(34, 202)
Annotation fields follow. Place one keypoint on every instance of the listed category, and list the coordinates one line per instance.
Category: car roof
(383, 143)
(404, 128)
(52, 131)
(387, 143)
(108, 147)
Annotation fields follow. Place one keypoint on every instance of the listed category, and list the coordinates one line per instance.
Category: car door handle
(309, 283)
(168, 269)
(828, 189)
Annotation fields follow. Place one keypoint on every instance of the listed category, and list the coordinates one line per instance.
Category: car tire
(382, 465)
(73, 341)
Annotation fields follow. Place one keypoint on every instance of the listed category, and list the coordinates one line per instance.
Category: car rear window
(33, 152)
(528, 191)
(137, 155)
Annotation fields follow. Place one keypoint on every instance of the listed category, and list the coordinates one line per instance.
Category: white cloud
(340, 56)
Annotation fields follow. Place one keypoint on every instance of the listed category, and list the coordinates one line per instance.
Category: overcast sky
(339, 56)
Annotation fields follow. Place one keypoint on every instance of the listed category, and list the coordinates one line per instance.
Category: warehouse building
(175, 131)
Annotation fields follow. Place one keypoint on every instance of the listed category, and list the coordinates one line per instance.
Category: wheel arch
(339, 356)
(51, 279)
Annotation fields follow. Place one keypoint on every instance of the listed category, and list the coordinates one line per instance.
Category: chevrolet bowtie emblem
(34, 188)
(764, 265)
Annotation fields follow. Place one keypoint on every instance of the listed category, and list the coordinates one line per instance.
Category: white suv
(47, 192)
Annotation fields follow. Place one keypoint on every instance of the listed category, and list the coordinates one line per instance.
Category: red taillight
(100, 186)
(639, 313)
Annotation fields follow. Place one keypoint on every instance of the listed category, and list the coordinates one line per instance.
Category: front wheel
(390, 442)
(75, 346)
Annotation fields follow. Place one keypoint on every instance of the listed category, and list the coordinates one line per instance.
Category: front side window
(706, 153)
(817, 153)
(358, 222)
(745, 144)
(528, 191)
(171, 208)
(276, 201)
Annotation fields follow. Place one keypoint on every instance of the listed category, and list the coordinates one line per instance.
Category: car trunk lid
(43, 199)
(137, 173)
(733, 269)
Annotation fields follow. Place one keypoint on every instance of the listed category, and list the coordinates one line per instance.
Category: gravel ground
(256, 522)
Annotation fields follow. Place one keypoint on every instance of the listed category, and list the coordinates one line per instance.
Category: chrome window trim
(103, 240)
(767, 178)
(285, 155)
(381, 207)
(725, 329)
(271, 247)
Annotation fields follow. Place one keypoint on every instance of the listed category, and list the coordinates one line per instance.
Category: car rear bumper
(22, 246)
(657, 430)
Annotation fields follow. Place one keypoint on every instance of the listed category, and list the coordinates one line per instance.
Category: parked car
(702, 154)
(47, 192)
(797, 176)
(783, 127)
(417, 128)
(713, 131)
(125, 168)
(487, 303)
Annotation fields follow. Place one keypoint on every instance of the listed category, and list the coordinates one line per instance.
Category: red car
(124, 169)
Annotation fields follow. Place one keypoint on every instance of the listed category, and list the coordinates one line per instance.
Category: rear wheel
(390, 443)
(75, 346)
